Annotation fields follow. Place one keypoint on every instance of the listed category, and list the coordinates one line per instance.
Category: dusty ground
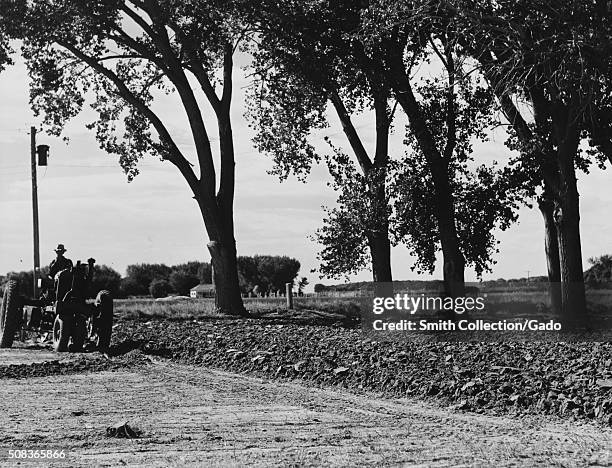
(27, 355)
(193, 416)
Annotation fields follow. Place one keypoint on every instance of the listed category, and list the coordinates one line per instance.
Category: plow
(64, 311)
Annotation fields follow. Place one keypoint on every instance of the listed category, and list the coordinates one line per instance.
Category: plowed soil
(194, 416)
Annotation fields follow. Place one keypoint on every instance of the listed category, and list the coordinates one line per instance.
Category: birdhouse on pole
(43, 154)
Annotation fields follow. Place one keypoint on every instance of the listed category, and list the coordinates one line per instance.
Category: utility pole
(35, 210)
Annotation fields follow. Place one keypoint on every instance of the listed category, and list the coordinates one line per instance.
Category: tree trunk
(222, 245)
(228, 299)
(551, 245)
(454, 261)
(572, 278)
(378, 234)
(377, 230)
(567, 222)
(380, 250)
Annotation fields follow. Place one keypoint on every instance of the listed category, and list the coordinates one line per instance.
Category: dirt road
(191, 416)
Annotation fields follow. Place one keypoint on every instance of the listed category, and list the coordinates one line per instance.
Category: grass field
(198, 308)
(184, 308)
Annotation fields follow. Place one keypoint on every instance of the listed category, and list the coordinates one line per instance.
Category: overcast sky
(86, 203)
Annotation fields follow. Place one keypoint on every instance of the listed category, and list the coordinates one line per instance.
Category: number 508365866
(40, 454)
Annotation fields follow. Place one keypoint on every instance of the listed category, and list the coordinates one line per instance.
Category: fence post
(289, 295)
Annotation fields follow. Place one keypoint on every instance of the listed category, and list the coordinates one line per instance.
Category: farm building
(202, 290)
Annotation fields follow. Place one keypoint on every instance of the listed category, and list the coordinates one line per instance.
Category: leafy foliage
(268, 273)
(105, 277)
(9, 10)
(308, 66)
(201, 270)
(182, 281)
(142, 275)
(284, 109)
(159, 288)
(302, 283)
(600, 272)
(486, 200)
(181, 278)
(25, 281)
(310, 60)
(563, 62)
(122, 54)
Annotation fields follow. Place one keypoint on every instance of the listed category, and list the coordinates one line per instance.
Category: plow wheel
(62, 329)
(79, 334)
(101, 326)
(9, 314)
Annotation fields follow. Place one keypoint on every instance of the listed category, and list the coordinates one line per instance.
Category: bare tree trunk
(567, 222)
(551, 245)
(228, 299)
(380, 250)
(222, 247)
(454, 261)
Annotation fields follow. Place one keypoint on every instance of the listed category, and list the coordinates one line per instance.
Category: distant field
(196, 308)
(186, 308)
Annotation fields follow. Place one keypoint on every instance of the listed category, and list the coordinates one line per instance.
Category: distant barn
(202, 290)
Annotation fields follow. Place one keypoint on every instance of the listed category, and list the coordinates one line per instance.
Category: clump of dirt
(573, 380)
(123, 430)
(74, 364)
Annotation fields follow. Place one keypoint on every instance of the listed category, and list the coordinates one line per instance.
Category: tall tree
(306, 62)
(404, 46)
(318, 56)
(124, 53)
(554, 58)
(445, 114)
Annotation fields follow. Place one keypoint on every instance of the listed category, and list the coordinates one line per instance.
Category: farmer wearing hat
(60, 262)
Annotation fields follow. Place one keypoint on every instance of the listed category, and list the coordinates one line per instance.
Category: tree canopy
(314, 58)
(268, 273)
(600, 272)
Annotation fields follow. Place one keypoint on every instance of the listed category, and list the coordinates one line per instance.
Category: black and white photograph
(303, 233)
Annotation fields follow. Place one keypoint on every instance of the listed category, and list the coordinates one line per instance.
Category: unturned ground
(193, 416)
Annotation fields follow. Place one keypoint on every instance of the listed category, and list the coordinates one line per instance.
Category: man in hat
(60, 262)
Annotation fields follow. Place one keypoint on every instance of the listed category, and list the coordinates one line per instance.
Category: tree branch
(139, 20)
(196, 68)
(176, 157)
(121, 56)
(451, 111)
(351, 133)
(228, 65)
(159, 35)
(405, 96)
